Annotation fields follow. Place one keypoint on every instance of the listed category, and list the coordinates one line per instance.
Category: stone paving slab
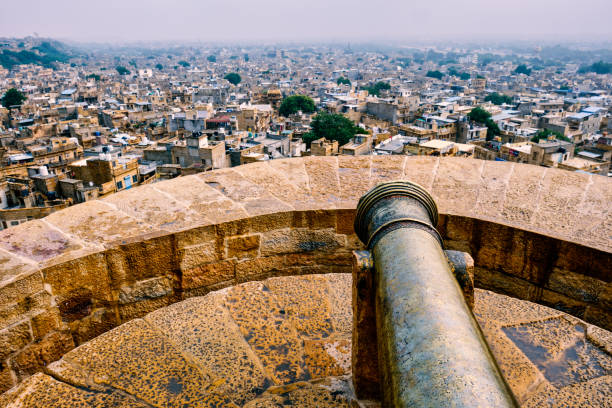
(272, 344)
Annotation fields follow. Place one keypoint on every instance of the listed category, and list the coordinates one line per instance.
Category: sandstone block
(13, 339)
(208, 274)
(243, 246)
(300, 240)
(34, 357)
(45, 322)
(190, 257)
(143, 290)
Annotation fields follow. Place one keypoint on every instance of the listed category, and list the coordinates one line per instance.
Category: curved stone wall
(535, 233)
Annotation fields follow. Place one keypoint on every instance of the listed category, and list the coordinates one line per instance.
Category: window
(14, 222)
(119, 185)
(135, 178)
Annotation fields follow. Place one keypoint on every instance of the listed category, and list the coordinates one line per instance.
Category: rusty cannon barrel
(431, 352)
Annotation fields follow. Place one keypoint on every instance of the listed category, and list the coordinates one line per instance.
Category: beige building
(324, 147)
(358, 146)
(111, 173)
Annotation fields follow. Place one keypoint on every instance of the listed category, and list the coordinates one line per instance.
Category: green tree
(343, 81)
(95, 77)
(12, 97)
(246, 57)
(598, 68)
(464, 76)
(233, 78)
(434, 74)
(543, 134)
(159, 66)
(522, 69)
(211, 58)
(377, 87)
(498, 99)
(480, 115)
(294, 103)
(332, 127)
(122, 70)
(183, 63)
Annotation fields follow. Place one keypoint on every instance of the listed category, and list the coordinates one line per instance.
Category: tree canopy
(543, 134)
(598, 68)
(12, 97)
(522, 69)
(434, 74)
(211, 58)
(498, 99)
(293, 104)
(377, 87)
(332, 127)
(122, 70)
(480, 115)
(159, 66)
(233, 78)
(343, 81)
(95, 77)
(184, 63)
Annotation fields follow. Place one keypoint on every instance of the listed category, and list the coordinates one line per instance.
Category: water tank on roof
(43, 171)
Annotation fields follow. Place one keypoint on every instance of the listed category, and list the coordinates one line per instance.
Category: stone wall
(81, 271)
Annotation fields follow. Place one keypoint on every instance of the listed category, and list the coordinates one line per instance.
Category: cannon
(416, 342)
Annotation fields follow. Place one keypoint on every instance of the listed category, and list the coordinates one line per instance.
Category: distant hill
(43, 52)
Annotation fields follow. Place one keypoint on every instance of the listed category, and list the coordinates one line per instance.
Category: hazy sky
(303, 20)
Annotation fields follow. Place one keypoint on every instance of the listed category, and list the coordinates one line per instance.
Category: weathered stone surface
(138, 360)
(89, 252)
(147, 289)
(285, 190)
(45, 322)
(13, 339)
(12, 266)
(42, 391)
(304, 302)
(154, 206)
(353, 178)
(98, 223)
(299, 240)
(36, 355)
(79, 284)
(207, 274)
(260, 345)
(263, 324)
(141, 260)
(421, 170)
(243, 246)
(456, 185)
(492, 192)
(216, 344)
(99, 320)
(383, 169)
(203, 200)
(577, 286)
(27, 306)
(39, 241)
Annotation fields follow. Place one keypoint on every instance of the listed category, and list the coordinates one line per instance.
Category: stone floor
(287, 342)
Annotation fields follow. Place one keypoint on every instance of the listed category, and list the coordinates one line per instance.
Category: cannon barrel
(431, 352)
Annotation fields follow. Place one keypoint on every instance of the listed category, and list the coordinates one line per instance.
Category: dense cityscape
(78, 125)
(306, 204)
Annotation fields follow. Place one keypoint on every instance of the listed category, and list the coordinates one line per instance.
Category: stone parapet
(534, 233)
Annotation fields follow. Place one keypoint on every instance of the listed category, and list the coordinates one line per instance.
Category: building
(324, 147)
(358, 146)
(111, 173)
